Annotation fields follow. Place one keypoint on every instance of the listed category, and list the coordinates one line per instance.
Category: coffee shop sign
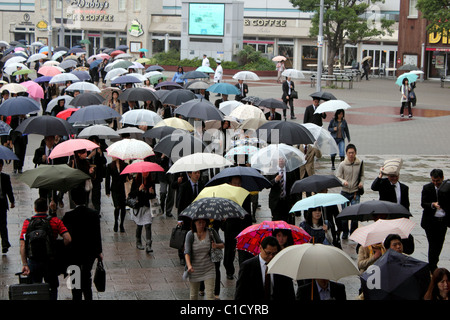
(265, 23)
(92, 4)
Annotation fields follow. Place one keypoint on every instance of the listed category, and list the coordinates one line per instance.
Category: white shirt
(324, 293)
(439, 212)
(205, 62)
(263, 266)
(218, 74)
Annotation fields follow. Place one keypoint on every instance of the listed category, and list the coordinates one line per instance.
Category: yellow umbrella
(225, 190)
(144, 60)
(176, 123)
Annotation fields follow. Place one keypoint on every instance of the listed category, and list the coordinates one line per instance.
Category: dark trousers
(290, 103)
(354, 223)
(406, 104)
(4, 228)
(435, 233)
(96, 194)
(281, 212)
(230, 252)
(47, 271)
(86, 281)
(20, 149)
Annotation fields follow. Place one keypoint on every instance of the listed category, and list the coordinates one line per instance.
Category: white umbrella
(246, 75)
(418, 72)
(54, 102)
(324, 140)
(51, 63)
(366, 58)
(58, 54)
(279, 58)
(115, 72)
(313, 261)
(16, 59)
(152, 73)
(123, 56)
(247, 111)
(266, 159)
(228, 106)
(136, 65)
(140, 77)
(13, 88)
(127, 149)
(293, 73)
(12, 67)
(37, 44)
(141, 117)
(103, 132)
(199, 161)
(36, 57)
(64, 77)
(83, 86)
(332, 105)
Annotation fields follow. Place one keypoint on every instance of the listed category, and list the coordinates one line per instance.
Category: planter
(263, 73)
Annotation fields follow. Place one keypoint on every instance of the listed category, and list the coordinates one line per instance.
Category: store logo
(42, 25)
(436, 37)
(136, 29)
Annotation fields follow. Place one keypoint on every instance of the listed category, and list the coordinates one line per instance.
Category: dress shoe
(293, 118)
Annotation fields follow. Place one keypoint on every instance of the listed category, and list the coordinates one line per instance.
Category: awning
(438, 49)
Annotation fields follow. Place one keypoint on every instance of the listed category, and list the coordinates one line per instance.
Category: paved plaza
(375, 128)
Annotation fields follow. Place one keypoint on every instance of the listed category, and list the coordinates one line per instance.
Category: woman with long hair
(317, 227)
(405, 100)
(114, 103)
(338, 128)
(115, 187)
(439, 285)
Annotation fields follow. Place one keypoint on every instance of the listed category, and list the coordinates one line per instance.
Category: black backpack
(38, 238)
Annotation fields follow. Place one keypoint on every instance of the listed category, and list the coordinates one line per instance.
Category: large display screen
(206, 19)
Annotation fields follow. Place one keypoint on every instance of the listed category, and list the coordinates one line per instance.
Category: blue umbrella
(5, 129)
(19, 105)
(93, 113)
(319, 200)
(412, 77)
(94, 64)
(143, 50)
(82, 75)
(43, 49)
(76, 50)
(125, 79)
(7, 154)
(43, 79)
(194, 75)
(223, 88)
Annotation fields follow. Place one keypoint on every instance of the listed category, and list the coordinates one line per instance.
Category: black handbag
(360, 191)
(294, 94)
(177, 237)
(133, 203)
(100, 277)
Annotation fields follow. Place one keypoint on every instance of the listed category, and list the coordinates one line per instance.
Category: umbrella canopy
(366, 58)
(412, 77)
(332, 106)
(250, 238)
(106, 93)
(5, 128)
(246, 75)
(408, 67)
(68, 147)
(199, 109)
(67, 99)
(92, 113)
(34, 90)
(141, 117)
(177, 97)
(48, 71)
(141, 167)
(46, 126)
(42, 79)
(81, 75)
(279, 58)
(378, 231)
(125, 79)
(23, 71)
(66, 113)
(319, 200)
(194, 75)
(251, 179)
(197, 85)
(267, 159)
(213, 208)
(246, 151)
(322, 95)
(324, 140)
(83, 87)
(224, 88)
(205, 69)
(103, 132)
(124, 64)
(225, 190)
(371, 210)
(19, 105)
(179, 144)
(199, 161)
(137, 94)
(176, 123)
(132, 132)
(252, 123)
(273, 103)
(124, 56)
(244, 112)
(64, 77)
(313, 261)
(293, 73)
(115, 72)
(226, 107)
(316, 183)
(168, 85)
(68, 64)
(36, 57)
(7, 154)
(398, 277)
(87, 99)
(288, 132)
(252, 100)
(13, 88)
(154, 68)
(59, 177)
(127, 149)
(159, 132)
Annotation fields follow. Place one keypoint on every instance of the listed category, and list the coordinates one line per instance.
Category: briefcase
(26, 290)
(177, 238)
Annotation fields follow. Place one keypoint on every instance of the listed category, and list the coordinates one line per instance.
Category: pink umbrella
(34, 90)
(49, 71)
(142, 166)
(67, 148)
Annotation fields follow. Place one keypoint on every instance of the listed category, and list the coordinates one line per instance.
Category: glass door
(94, 45)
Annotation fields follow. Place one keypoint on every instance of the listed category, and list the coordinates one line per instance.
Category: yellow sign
(436, 37)
(42, 25)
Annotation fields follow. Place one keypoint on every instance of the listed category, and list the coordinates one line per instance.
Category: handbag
(294, 94)
(88, 185)
(155, 207)
(133, 203)
(216, 254)
(100, 277)
(360, 191)
(177, 237)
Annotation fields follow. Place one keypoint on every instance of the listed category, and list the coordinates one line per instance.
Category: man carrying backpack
(38, 246)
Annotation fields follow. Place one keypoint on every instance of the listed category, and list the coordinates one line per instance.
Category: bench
(345, 78)
(444, 80)
(325, 77)
(335, 78)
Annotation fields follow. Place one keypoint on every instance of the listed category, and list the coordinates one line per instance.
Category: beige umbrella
(279, 58)
(366, 58)
(253, 123)
(217, 124)
(13, 88)
(177, 123)
(199, 161)
(247, 111)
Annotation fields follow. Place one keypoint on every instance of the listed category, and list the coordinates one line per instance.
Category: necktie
(195, 190)
(283, 189)
(267, 284)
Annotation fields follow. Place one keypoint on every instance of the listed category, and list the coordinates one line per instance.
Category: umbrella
(244, 112)
(169, 85)
(250, 238)
(332, 106)
(115, 72)
(68, 64)
(246, 75)
(319, 200)
(197, 85)
(7, 154)
(248, 151)
(92, 113)
(141, 117)
(124, 56)
(137, 94)
(287, 132)
(408, 67)
(177, 97)
(107, 92)
(67, 99)
(23, 71)
(252, 123)
(199, 109)
(143, 60)
(273, 103)
(76, 50)
(46, 126)
(66, 113)
(159, 132)
(124, 64)
(48, 71)
(179, 144)
(226, 107)
(366, 58)
(15, 61)
(42, 79)
(5, 128)
(68, 147)
(81, 75)
(213, 208)
(324, 140)
(87, 99)
(116, 52)
(323, 95)
(142, 166)
(59, 177)
(100, 56)
(371, 210)
(64, 77)
(83, 86)
(132, 132)
(125, 79)
(194, 75)
(217, 124)
(251, 179)
(34, 90)
(313, 261)
(266, 159)
(224, 88)
(225, 190)
(154, 68)
(19, 105)
(316, 183)
(103, 132)
(127, 149)
(279, 58)
(199, 161)
(138, 76)
(293, 73)
(10, 69)
(176, 123)
(205, 69)
(412, 77)
(51, 63)
(378, 231)
(395, 276)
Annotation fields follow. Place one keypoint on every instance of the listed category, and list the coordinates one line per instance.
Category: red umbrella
(67, 148)
(250, 238)
(65, 114)
(115, 53)
(142, 166)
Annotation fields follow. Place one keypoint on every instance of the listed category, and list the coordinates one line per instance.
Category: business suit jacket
(186, 194)
(249, 285)
(39, 152)
(337, 292)
(277, 116)
(387, 192)
(239, 97)
(7, 192)
(311, 117)
(429, 196)
(285, 88)
(115, 183)
(275, 190)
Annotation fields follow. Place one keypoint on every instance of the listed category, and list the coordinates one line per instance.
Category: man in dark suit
(273, 115)
(390, 189)
(311, 117)
(322, 290)
(435, 219)
(83, 224)
(254, 283)
(280, 198)
(6, 193)
(243, 88)
(287, 87)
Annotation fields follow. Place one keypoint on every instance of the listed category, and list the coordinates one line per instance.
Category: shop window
(309, 57)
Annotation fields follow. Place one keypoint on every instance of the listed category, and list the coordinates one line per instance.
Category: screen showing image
(206, 19)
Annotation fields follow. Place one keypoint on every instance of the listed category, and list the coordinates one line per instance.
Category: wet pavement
(375, 128)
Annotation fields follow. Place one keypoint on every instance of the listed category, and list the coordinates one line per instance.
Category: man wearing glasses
(254, 283)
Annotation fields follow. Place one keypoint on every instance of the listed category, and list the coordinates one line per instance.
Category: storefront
(437, 55)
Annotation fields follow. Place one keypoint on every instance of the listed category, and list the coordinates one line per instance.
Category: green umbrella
(154, 79)
(59, 177)
(122, 64)
(22, 71)
(85, 41)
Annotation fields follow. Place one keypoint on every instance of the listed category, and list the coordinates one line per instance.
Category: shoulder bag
(216, 254)
(177, 237)
(360, 191)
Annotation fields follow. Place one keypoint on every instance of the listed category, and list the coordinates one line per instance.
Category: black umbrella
(87, 99)
(370, 210)
(61, 48)
(154, 68)
(159, 132)
(177, 97)
(125, 79)
(19, 105)
(137, 94)
(46, 126)
(252, 99)
(168, 85)
(288, 132)
(251, 179)
(316, 183)
(161, 93)
(200, 109)
(177, 145)
(213, 208)
(396, 276)
(93, 113)
(273, 103)
(194, 75)
(323, 95)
